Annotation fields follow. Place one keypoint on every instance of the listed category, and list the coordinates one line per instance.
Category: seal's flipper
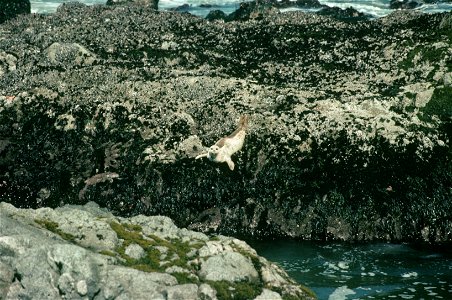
(230, 164)
(201, 155)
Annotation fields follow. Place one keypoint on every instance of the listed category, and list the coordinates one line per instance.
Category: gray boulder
(229, 266)
(41, 257)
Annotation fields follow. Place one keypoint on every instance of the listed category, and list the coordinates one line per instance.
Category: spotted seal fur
(227, 146)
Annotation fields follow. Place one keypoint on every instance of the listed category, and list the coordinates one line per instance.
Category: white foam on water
(308, 10)
(376, 8)
(343, 265)
(50, 6)
(434, 8)
(341, 293)
(166, 4)
(409, 274)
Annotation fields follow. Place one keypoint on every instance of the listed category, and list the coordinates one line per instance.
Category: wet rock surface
(48, 254)
(349, 131)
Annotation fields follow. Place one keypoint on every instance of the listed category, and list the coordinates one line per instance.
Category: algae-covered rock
(41, 259)
(12, 8)
(349, 126)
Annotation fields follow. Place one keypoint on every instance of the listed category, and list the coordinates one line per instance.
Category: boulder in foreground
(80, 252)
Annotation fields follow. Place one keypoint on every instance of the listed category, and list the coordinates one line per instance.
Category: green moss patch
(54, 227)
(108, 253)
(286, 296)
(183, 278)
(235, 290)
(151, 262)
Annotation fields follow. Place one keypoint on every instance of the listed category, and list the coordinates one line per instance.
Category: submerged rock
(349, 122)
(42, 257)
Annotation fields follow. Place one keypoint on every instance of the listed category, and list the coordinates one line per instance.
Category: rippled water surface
(376, 8)
(371, 271)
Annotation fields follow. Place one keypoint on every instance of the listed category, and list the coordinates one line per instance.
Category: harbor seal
(227, 146)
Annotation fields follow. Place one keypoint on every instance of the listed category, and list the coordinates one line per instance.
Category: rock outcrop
(84, 252)
(11, 8)
(403, 4)
(349, 132)
(257, 9)
(150, 3)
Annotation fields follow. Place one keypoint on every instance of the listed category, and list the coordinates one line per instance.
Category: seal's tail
(243, 122)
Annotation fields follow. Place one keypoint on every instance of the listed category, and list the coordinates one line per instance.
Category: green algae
(54, 227)
(176, 253)
(235, 290)
(183, 278)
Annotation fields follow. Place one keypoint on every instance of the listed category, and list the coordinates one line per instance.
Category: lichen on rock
(55, 253)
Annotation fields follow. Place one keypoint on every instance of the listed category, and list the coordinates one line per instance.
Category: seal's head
(213, 151)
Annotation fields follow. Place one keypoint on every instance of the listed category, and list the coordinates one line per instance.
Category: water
(376, 8)
(336, 271)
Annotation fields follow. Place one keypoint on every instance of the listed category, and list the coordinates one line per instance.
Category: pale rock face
(183, 291)
(267, 295)
(213, 248)
(229, 266)
(206, 292)
(39, 259)
(134, 251)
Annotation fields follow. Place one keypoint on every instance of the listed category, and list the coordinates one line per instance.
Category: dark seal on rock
(11, 8)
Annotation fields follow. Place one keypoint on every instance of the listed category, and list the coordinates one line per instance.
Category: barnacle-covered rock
(349, 122)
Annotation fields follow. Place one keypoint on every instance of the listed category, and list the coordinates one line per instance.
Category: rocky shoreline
(350, 121)
(84, 252)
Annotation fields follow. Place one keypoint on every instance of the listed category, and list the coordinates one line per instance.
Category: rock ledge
(80, 252)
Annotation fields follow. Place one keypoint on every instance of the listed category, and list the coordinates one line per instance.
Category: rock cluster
(85, 252)
(11, 8)
(258, 9)
(150, 3)
(349, 132)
